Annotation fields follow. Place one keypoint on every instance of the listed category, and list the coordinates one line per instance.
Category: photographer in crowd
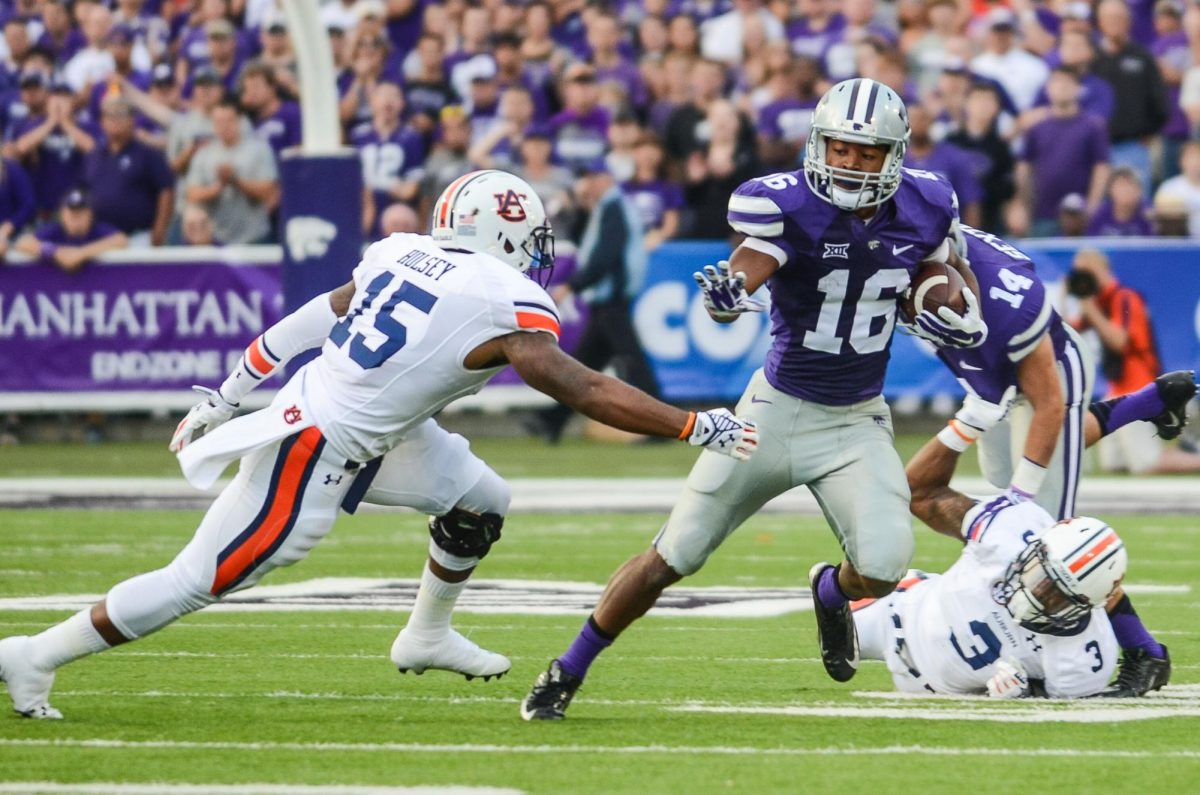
(1128, 359)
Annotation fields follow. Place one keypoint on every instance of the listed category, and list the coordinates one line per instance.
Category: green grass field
(311, 698)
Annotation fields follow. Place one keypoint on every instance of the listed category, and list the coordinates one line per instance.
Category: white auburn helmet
(860, 111)
(494, 212)
(1055, 582)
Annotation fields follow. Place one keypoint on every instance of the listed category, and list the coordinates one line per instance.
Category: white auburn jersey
(396, 358)
(945, 633)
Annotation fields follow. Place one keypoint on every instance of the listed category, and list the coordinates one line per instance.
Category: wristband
(688, 426)
(1028, 477)
(958, 436)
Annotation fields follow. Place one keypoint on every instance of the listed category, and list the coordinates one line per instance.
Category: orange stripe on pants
(283, 501)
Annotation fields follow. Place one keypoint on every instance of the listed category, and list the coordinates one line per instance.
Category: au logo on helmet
(510, 206)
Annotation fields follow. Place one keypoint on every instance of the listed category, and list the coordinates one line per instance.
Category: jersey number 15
(395, 333)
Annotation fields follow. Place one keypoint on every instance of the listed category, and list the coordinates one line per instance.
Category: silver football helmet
(860, 111)
(1060, 577)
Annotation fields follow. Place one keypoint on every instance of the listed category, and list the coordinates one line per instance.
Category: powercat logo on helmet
(510, 207)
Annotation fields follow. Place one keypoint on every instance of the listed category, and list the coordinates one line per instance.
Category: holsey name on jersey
(426, 264)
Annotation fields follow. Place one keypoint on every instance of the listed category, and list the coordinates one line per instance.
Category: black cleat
(1175, 389)
(551, 694)
(1139, 674)
(835, 632)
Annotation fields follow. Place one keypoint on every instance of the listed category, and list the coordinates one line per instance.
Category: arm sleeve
(760, 218)
(305, 328)
(608, 259)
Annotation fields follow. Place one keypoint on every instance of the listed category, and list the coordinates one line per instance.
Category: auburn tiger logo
(292, 415)
(510, 207)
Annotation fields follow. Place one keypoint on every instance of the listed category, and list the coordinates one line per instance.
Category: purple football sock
(587, 645)
(1130, 631)
(828, 590)
(1114, 413)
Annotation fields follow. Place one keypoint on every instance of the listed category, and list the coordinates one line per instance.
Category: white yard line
(662, 750)
(1025, 714)
(163, 788)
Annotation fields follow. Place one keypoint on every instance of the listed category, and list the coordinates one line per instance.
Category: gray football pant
(844, 454)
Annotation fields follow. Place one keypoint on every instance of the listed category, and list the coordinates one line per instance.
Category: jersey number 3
(395, 333)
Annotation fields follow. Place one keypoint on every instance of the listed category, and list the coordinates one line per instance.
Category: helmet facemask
(1040, 594)
(848, 188)
(539, 251)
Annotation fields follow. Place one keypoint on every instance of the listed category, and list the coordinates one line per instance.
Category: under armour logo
(1031, 639)
(836, 250)
(330, 480)
(510, 207)
(291, 415)
(309, 236)
(880, 420)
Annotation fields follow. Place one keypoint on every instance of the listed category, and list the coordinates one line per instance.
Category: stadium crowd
(168, 116)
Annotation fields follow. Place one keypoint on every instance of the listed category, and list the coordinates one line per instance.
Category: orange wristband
(687, 426)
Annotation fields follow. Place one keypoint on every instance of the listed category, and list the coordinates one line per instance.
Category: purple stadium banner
(132, 326)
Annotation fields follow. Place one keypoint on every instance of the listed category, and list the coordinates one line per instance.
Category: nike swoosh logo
(757, 399)
(898, 250)
(966, 366)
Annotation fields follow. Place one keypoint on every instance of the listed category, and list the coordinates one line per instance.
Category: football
(935, 285)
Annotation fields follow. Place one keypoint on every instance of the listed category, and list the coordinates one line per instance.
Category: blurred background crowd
(151, 122)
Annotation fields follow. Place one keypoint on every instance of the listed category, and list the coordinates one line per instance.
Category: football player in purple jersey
(1028, 391)
(836, 243)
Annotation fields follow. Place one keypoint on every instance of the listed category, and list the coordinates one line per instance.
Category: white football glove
(725, 295)
(983, 415)
(720, 431)
(1009, 681)
(948, 329)
(206, 415)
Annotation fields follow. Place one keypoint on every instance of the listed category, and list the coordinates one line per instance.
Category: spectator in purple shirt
(356, 83)
(604, 40)
(131, 185)
(392, 155)
(1065, 153)
(499, 145)
(946, 159)
(275, 121)
(404, 23)
(1172, 51)
(816, 27)
(657, 201)
(60, 37)
(1077, 53)
(223, 57)
(53, 145)
(17, 203)
(476, 44)
(541, 54)
(580, 129)
(1124, 211)
(75, 239)
(120, 47)
(784, 122)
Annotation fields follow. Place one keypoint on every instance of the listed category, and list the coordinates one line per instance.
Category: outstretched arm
(544, 366)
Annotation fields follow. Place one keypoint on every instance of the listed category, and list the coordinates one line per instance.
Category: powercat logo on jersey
(836, 251)
(510, 206)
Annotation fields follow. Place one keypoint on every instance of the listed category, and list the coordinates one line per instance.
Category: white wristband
(957, 436)
(1028, 477)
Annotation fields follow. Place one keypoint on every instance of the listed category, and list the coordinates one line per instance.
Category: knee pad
(466, 534)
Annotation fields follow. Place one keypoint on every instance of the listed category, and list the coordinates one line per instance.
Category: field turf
(310, 698)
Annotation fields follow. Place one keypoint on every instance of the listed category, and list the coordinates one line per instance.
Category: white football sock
(435, 602)
(66, 642)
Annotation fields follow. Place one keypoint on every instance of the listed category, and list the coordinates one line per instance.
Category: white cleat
(451, 652)
(28, 686)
